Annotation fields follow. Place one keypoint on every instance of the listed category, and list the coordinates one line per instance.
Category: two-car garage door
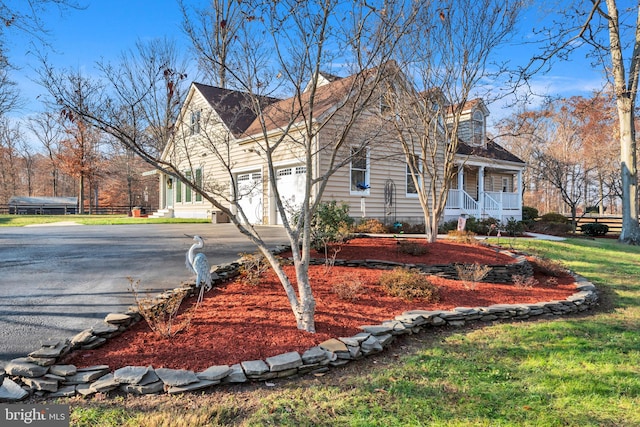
(290, 182)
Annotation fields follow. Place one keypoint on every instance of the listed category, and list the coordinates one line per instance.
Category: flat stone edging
(40, 375)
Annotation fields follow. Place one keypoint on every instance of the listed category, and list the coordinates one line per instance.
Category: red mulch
(238, 322)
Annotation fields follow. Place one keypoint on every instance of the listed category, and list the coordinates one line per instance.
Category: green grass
(24, 220)
(572, 371)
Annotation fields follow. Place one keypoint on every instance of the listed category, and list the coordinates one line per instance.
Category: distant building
(19, 205)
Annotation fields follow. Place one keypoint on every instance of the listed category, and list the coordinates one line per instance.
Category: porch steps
(162, 213)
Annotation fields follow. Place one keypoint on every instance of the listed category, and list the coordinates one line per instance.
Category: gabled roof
(326, 97)
(492, 150)
(235, 108)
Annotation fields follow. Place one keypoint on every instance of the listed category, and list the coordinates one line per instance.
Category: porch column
(520, 192)
(460, 186)
(481, 190)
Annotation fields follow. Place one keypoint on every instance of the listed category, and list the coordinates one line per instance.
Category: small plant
(462, 236)
(514, 227)
(370, 226)
(547, 267)
(330, 260)
(161, 313)
(524, 282)
(349, 289)
(554, 217)
(409, 284)
(412, 248)
(252, 267)
(471, 274)
(594, 229)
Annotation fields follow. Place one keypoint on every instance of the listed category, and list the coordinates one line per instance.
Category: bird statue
(199, 265)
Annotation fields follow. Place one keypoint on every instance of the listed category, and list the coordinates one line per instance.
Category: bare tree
(47, 128)
(10, 142)
(214, 32)
(448, 54)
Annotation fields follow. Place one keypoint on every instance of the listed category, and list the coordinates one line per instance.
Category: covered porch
(485, 191)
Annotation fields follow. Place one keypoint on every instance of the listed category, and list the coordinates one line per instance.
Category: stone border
(40, 375)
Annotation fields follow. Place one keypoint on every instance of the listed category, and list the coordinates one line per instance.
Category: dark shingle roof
(491, 151)
(235, 108)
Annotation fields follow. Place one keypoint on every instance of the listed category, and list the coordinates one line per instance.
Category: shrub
(524, 282)
(554, 217)
(370, 225)
(471, 274)
(481, 226)
(330, 224)
(462, 236)
(529, 213)
(595, 229)
(409, 284)
(447, 226)
(161, 313)
(413, 248)
(514, 227)
(547, 267)
(252, 266)
(349, 290)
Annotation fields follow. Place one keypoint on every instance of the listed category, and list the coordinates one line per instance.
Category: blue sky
(79, 38)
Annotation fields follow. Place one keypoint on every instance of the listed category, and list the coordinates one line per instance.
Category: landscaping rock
(131, 374)
(12, 392)
(283, 362)
(139, 389)
(214, 373)
(200, 385)
(333, 345)
(314, 355)
(176, 377)
(87, 375)
(63, 370)
(254, 368)
(21, 367)
(118, 319)
(236, 375)
(42, 384)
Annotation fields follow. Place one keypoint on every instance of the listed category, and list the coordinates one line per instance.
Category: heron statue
(199, 265)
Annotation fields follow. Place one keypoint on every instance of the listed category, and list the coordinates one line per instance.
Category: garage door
(250, 196)
(291, 183)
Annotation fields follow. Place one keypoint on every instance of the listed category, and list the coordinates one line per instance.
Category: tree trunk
(630, 228)
(81, 195)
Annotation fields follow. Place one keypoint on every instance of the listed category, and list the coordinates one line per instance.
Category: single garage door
(291, 181)
(250, 195)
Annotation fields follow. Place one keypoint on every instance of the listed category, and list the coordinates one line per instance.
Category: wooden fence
(613, 222)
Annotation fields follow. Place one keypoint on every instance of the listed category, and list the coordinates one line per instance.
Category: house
(220, 141)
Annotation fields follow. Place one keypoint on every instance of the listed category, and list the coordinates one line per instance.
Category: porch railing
(495, 203)
(509, 201)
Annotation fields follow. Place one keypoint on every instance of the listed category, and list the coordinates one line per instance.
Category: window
(188, 191)
(505, 184)
(385, 108)
(194, 126)
(179, 192)
(477, 128)
(360, 170)
(411, 187)
(199, 184)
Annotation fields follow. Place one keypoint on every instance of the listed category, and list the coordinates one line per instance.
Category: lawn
(25, 220)
(574, 371)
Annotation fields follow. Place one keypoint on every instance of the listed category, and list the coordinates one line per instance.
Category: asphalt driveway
(56, 281)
